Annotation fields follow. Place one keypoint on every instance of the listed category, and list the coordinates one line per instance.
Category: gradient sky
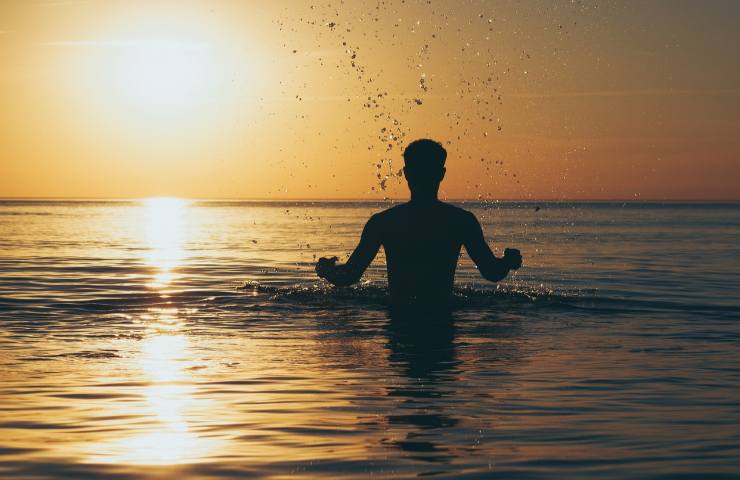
(217, 99)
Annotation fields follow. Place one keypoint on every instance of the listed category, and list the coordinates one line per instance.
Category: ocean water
(170, 339)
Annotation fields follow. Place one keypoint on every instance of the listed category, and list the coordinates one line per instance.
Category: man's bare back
(422, 239)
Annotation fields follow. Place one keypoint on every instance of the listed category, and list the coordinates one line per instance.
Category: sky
(226, 99)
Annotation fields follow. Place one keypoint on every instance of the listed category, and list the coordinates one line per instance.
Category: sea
(173, 338)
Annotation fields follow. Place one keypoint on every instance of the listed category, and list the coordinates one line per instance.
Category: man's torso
(422, 245)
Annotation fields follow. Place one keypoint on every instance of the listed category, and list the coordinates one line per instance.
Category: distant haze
(222, 99)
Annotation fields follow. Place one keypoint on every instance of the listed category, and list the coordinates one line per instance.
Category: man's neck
(424, 198)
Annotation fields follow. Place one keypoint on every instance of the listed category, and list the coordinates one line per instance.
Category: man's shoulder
(457, 212)
(391, 212)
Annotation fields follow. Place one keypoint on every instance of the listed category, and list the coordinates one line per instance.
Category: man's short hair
(424, 154)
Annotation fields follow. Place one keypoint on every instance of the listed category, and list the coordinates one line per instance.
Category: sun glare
(159, 75)
(166, 72)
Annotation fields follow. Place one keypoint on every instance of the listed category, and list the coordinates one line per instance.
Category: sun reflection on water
(163, 365)
(167, 401)
(165, 235)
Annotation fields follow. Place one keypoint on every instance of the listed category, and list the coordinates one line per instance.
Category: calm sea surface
(165, 339)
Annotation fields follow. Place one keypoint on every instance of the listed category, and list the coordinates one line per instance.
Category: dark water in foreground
(127, 350)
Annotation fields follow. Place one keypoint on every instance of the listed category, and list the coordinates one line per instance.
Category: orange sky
(584, 100)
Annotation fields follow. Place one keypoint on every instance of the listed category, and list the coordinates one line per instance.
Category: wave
(368, 296)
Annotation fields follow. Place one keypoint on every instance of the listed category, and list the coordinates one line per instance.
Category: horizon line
(379, 200)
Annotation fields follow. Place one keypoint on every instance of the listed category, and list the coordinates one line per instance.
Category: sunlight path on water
(165, 234)
(168, 403)
(161, 366)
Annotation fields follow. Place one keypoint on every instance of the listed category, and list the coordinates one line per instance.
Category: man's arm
(351, 272)
(491, 268)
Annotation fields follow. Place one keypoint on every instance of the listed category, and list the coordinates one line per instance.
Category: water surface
(168, 338)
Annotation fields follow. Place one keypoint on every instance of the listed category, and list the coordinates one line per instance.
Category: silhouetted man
(421, 238)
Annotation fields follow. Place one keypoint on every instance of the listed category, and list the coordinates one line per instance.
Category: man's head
(424, 165)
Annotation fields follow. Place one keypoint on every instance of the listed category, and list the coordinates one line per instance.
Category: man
(422, 239)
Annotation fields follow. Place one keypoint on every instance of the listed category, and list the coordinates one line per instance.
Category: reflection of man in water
(421, 352)
(421, 238)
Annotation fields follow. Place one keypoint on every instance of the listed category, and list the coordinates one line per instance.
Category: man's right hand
(513, 258)
(325, 265)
